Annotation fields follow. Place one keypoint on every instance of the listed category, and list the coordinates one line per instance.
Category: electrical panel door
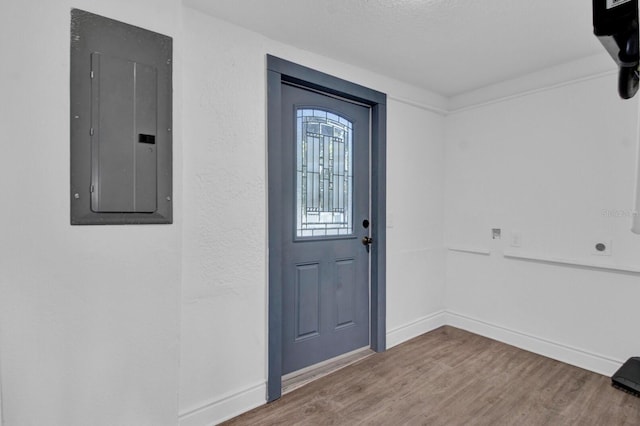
(120, 122)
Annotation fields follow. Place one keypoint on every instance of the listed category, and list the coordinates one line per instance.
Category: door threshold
(307, 375)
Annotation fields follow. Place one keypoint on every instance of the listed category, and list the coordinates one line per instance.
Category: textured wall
(224, 278)
(415, 199)
(556, 167)
(224, 315)
(92, 326)
(88, 315)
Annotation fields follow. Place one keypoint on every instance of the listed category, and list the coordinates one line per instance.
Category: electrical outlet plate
(516, 239)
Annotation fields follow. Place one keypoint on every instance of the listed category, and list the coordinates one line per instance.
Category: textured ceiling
(446, 46)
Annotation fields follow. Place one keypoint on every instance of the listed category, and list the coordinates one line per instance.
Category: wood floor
(452, 377)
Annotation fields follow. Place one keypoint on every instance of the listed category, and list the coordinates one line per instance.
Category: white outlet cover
(516, 239)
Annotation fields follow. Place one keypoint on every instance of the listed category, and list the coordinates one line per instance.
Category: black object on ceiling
(615, 23)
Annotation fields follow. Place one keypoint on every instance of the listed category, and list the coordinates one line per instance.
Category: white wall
(124, 325)
(89, 315)
(224, 316)
(92, 328)
(223, 328)
(557, 167)
(415, 221)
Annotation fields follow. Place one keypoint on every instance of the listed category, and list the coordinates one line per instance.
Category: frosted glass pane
(324, 179)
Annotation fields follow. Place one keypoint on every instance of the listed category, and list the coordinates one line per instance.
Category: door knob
(367, 240)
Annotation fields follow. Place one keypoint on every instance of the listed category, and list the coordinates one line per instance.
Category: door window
(324, 175)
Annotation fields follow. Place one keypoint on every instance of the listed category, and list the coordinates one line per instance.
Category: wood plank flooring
(294, 380)
(452, 377)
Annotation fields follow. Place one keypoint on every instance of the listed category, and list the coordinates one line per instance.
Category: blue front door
(325, 252)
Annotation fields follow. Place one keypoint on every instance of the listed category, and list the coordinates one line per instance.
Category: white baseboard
(416, 328)
(567, 354)
(225, 408)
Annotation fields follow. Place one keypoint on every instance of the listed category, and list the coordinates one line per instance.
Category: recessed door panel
(307, 301)
(345, 292)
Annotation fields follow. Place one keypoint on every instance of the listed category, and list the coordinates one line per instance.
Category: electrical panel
(121, 115)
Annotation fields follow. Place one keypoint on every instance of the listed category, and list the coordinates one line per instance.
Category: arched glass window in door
(324, 177)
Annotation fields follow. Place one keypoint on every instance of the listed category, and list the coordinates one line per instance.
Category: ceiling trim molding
(496, 100)
(421, 105)
(575, 72)
(530, 92)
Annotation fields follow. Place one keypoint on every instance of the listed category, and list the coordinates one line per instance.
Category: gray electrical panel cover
(121, 106)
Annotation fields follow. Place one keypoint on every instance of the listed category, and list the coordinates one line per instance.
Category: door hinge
(93, 189)
(91, 74)
(91, 132)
